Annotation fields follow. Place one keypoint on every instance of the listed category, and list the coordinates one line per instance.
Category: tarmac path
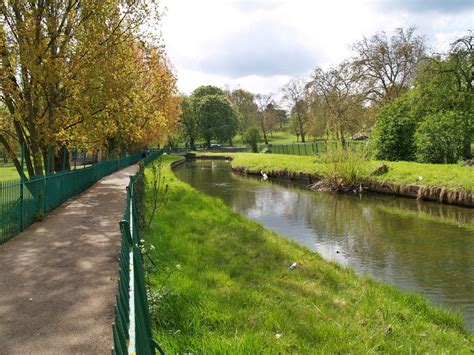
(58, 278)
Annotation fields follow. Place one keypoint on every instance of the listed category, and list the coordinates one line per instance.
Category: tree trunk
(343, 141)
(61, 160)
(467, 152)
(12, 154)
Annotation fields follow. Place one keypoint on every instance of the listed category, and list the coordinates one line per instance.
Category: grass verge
(222, 284)
(451, 176)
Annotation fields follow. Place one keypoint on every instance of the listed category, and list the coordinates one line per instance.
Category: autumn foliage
(82, 74)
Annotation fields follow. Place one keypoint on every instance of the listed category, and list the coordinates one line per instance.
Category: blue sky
(259, 45)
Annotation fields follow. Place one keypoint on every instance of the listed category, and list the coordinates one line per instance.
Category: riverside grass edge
(225, 287)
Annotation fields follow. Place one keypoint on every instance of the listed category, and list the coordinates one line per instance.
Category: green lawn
(8, 172)
(278, 137)
(222, 284)
(439, 175)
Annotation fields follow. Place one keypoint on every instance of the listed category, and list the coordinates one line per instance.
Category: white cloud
(260, 44)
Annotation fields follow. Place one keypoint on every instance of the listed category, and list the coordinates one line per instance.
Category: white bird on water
(292, 266)
(265, 176)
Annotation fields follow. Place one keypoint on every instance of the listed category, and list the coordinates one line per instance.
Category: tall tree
(295, 94)
(343, 101)
(70, 72)
(263, 101)
(216, 118)
(388, 65)
(245, 107)
(445, 87)
(189, 123)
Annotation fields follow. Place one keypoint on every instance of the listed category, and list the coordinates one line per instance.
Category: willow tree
(61, 73)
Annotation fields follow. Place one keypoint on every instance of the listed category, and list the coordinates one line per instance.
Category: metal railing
(309, 148)
(22, 202)
(132, 327)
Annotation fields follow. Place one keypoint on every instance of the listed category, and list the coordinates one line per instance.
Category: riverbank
(446, 183)
(223, 284)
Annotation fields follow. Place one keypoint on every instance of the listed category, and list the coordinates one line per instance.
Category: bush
(344, 170)
(252, 137)
(440, 138)
(393, 136)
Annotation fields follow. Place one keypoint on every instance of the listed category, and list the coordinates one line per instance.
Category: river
(418, 246)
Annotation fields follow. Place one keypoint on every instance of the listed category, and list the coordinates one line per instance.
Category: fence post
(22, 182)
(46, 180)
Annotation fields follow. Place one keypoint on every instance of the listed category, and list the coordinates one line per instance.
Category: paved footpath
(58, 278)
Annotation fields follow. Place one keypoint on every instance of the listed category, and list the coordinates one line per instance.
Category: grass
(440, 175)
(222, 285)
(8, 172)
(278, 137)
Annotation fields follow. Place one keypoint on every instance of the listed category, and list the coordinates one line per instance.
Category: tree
(438, 138)
(245, 107)
(272, 116)
(189, 123)
(262, 101)
(282, 117)
(73, 72)
(252, 137)
(207, 90)
(295, 94)
(341, 97)
(394, 133)
(216, 118)
(319, 117)
(388, 65)
(446, 85)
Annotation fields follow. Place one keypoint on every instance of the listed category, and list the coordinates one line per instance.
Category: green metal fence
(132, 326)
(22, 201)
(310, 148)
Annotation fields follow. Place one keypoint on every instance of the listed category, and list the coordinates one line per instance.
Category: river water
(418, 246)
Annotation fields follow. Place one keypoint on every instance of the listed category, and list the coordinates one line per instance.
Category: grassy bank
(223, 285)
(451, 176)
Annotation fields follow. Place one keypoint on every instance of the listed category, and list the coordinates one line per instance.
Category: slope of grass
(222, 284)
(278, 137)
(439, 175)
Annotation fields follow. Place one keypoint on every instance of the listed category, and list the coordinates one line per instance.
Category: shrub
(252, 137)
(344, 170)
(440, 138)
(393, 136)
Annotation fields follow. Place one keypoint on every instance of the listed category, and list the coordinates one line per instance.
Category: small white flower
(178, 266)
(142, 241)
(152, 247)
(278, 335)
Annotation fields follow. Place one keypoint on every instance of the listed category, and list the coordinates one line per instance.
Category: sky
(259, 45)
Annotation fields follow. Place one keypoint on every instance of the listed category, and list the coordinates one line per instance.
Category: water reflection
(422, 247)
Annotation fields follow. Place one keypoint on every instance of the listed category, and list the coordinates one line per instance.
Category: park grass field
(277, 137)
(8, 172)
(222, 284)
